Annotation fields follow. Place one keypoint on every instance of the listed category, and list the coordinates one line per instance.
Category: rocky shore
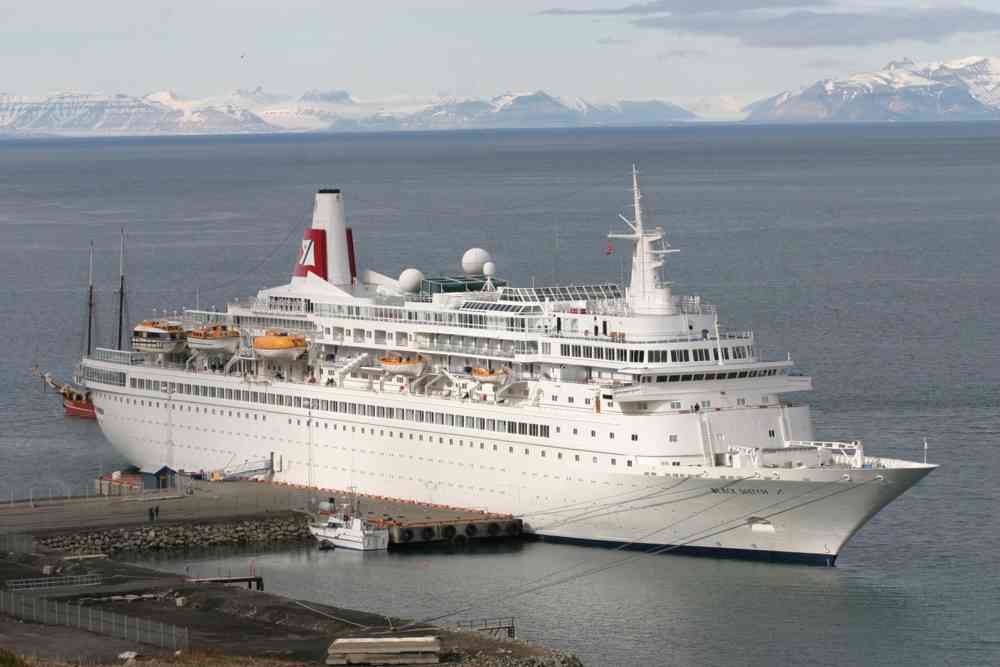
(272, 530)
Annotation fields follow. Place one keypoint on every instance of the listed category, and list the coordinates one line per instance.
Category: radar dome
(410, 279)
(489, 269)
(474, 260)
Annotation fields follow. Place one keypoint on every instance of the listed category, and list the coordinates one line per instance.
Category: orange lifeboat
(490, 377)
(214, 338)
(409, 366)
(279, 346)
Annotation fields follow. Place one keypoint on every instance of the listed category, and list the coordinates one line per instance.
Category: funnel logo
(307, 256)
(312, 255)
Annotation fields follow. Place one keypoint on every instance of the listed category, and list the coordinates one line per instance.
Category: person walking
(156, 513)
(151, 515)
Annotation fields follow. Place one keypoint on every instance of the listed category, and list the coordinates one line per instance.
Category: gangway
(246, 470)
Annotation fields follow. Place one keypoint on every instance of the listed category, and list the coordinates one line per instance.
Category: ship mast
(121, 291)
(90, 303)
(647, 293)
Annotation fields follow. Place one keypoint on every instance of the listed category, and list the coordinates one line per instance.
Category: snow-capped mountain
(965, 89)
(160, 113)
(258, 110)
(526, 110)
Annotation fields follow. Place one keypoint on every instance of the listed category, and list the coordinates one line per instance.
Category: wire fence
(45, 583)
(119, 626)
(17, 543)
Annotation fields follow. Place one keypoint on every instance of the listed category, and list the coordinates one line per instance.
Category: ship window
(770, 433)
(555, 398)
(510, 450)
(595, 459)
(635, 437)
(733, 376)
(685, 378)
(569, 399)
(576, 457)
(494, 448)
(672, 437)
(522, 428)
(741, 401)
(593, 434)
(661, 378)
(544, 430)
(526, 451)
(753, 374)
(574, 431)
(743, 374)
(614, 462)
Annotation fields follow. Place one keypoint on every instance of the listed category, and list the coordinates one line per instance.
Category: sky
(596, 49)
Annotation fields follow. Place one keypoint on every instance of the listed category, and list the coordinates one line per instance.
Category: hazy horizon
(600, 50)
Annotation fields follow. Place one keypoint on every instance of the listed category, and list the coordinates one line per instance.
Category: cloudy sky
(600, 49)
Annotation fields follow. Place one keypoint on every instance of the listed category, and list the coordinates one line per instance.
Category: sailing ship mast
(90, 304)
(121, 291)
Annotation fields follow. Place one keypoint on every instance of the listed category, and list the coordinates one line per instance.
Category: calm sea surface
(868, 253)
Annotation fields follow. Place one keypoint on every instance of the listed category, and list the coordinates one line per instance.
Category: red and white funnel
(327, 247)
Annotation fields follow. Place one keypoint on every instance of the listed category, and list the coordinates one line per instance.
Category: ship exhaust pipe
(326, 248)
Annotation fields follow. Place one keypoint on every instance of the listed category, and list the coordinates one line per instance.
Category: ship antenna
(121, 290)
(925, 451)
(637, 205)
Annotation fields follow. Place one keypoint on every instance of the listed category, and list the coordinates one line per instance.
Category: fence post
(174, 629)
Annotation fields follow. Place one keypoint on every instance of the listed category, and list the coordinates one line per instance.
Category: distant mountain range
(965, 89)
(259, 111)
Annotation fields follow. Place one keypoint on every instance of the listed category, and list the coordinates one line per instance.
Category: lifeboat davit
(279, 346)
(214, 338)
(490, 377)
(159, 336)
(409, 366)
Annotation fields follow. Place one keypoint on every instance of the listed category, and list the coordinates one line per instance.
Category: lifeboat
(490, 377)
(159, 336)
(214, 338)
(279, 346)
(409, 366)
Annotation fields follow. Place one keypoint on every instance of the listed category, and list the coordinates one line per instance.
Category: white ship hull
(796, 515)
(354, 540)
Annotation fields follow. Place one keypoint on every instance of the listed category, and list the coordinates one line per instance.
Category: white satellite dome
(474, 260)
(410, 279)
(490, 269)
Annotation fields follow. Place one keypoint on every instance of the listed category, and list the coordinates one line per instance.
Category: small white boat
(159, 336)
(350, 532)
(214, 338)
(408, 366)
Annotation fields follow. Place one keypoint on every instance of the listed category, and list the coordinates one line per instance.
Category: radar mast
(647, 293)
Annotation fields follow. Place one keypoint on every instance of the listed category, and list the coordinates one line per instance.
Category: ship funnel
(327, 249)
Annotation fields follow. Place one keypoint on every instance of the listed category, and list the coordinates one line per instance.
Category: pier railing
(120, 626)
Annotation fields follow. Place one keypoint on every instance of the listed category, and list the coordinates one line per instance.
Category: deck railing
(125, 357)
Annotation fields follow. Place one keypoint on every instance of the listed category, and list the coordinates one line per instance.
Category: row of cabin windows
(383, 412)
(730, 375)
(104, 376)
(678, 356)
(382, 432)
(419, 437)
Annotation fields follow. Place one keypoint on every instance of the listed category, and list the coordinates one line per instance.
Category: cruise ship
(608, 414)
